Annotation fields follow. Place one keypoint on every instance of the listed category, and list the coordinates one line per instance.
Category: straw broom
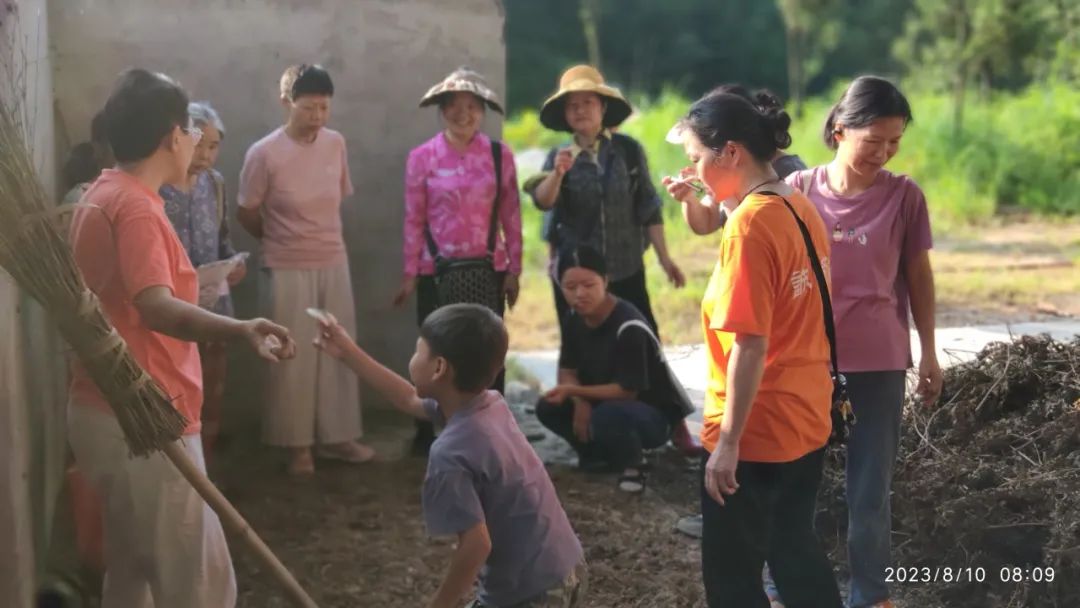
(37, 255)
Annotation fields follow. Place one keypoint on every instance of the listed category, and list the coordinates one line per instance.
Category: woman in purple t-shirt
(880, 268)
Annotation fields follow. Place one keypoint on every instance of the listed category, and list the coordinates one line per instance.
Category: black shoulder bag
(471, 280)
(843, 417)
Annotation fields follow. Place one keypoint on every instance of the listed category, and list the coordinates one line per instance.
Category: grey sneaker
(690, 525)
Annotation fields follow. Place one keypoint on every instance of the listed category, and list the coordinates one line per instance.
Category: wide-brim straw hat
(462, 80)
(584, 79)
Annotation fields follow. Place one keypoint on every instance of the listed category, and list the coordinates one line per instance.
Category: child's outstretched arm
(474, 546)
(335, 341)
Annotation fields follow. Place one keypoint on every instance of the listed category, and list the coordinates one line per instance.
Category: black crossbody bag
(843, 417)
(471, 280)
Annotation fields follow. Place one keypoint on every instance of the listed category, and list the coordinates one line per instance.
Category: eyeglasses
(195, 133)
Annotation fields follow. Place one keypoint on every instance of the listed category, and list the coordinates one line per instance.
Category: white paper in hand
(319, 315)
(213, 278)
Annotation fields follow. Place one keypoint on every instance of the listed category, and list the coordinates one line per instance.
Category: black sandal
(632, 483)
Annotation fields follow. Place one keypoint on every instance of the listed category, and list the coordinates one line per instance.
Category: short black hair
(472, 339)
(307, 79)
(866, 99)
(718, 118)
(143, 108)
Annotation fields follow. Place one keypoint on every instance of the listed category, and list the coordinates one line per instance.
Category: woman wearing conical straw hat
(164, 546)
(461, 203)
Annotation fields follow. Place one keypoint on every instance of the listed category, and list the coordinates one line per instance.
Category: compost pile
(991, 478)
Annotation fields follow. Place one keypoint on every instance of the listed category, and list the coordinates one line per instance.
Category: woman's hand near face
(680, 189)
(564, 159)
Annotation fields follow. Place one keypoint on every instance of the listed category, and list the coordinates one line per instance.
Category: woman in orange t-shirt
(768, 399)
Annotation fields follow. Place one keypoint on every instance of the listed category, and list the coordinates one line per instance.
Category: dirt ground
(1015, 270)
(353, 535)
(988, 480)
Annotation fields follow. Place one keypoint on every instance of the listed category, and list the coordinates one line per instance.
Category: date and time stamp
(969, 574)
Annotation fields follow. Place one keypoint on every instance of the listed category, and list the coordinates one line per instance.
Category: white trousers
(312, 398)
(164, 546)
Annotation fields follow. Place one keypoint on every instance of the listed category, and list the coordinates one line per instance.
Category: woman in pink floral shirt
(450, 189)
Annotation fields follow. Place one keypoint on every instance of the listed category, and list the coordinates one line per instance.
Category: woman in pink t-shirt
(291, 189)
(880, 268)
(450, 188)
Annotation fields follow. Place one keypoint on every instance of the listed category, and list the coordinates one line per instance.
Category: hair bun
(777, 119)
(767, 101)
(779, 122)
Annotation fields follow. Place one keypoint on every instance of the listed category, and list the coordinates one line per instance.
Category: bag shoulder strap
(643, 325)
(819, 274)
(685, 405)
(496, 157)
(806, 181)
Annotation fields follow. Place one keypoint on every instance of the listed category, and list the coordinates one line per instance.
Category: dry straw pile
(990, 479)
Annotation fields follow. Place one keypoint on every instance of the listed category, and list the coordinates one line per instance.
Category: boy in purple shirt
(484, 482)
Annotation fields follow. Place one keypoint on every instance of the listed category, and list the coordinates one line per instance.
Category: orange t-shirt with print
(123, 243)
(764, 285)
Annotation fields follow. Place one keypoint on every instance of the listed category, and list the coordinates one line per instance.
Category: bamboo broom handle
(236, 524)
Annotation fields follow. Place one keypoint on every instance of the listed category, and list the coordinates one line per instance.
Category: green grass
(1019, 150)
(1015, 150)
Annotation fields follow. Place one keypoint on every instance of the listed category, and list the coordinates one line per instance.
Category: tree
(646, 46)
(811, 30)
(954, 42)
(1061, 57)
(588, 13)
(869, 30)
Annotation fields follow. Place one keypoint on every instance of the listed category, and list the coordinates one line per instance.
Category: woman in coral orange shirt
(768, 399)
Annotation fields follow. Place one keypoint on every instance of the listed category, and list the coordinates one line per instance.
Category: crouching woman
(616, 394)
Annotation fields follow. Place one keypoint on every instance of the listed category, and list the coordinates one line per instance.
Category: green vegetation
(1015, 150)
(797, 48)
(993, 85)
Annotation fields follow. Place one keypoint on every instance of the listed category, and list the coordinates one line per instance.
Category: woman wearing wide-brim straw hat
(600, 193)
(584, 79)
(598, 187)
(450, 190)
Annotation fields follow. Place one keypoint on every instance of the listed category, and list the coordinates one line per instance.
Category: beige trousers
(313, 398)
(164, 546)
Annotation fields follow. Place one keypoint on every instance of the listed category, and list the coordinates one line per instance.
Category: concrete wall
(16, 543)
(25, 417)
(383, 54)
